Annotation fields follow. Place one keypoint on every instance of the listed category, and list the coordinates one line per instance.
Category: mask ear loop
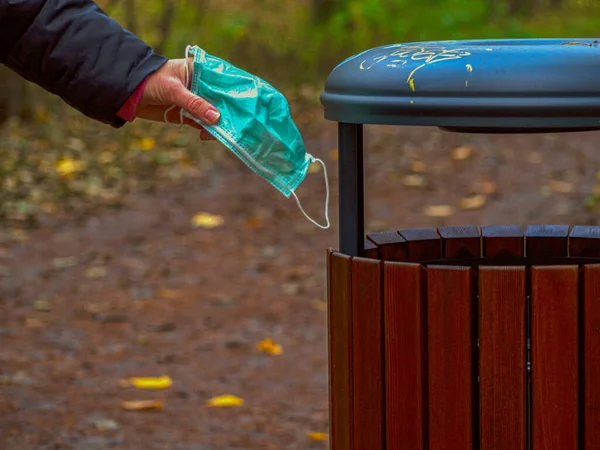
(187, 86)
(323, 227)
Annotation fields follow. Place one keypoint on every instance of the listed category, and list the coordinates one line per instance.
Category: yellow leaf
(163, 382)
(476, 201)
(439, 211)
(41, 114)
(147, 144)
(417, 166)
(317, 436)
(314, 168)
(142, 405)
(461, 153)
(333, 154)
(564, 187)
(268, 346)
(169, 294)
(106, 157)
(225, 401)
(208, 221)
(34, 322)
(95, 272)
(414, 180)
(68, 166)
(320, 305)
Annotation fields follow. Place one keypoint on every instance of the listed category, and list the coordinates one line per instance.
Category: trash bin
(463, 338)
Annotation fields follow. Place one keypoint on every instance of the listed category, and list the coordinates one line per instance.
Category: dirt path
(139, 292)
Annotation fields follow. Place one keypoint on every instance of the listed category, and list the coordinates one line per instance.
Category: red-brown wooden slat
(423, 244)
(367, 351)
(450, 358)
(371, 250)
(461, 242)
(502, 359)
(391, 246)
(405, 355)
(584, 242)
(502, 241)
(340, 350)
(591, 346)
(547, 241)
(554, 362)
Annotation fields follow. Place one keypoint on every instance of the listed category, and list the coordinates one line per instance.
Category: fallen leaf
(461, 153)
(35, 322)
(96, 308)
(318, 436)
(162, 382)
(417, 166)
(142, 405)
(471, 202)
(169, 294)
(105, 425)
(319, 305)
(95, 272)
(64, 263)
(142, 339)
(314, 168)
(268, 346)
(439, 211)
(207, 221)
(147, 144)
(254, 222)
(333, 154)
(414, 180)
(563, 187)
(42, 306)
(486, 187)
(225, 401)
(68, 166)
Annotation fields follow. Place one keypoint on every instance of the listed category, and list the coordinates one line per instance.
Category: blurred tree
(323, 10)
(165, 24)
(130, 16)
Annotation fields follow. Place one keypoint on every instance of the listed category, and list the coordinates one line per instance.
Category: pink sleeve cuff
(128, 110)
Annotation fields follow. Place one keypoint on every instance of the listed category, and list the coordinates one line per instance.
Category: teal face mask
(255, 123)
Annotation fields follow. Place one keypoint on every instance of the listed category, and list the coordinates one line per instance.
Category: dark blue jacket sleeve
(74, 50)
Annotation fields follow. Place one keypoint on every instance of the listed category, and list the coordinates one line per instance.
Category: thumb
(196, 106)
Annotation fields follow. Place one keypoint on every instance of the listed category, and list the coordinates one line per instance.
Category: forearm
(77, 52)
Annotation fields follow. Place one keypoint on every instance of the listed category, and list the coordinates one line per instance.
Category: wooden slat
(503, 389)
(367, 351)
(423, 244)
(450, 358)
(554, 362)
(584, 242)
(502, 241)
(370, 250)
(461, 242)
(391, 246)
(340, 350)
(591, 346)
(547, 241)
(406, 383)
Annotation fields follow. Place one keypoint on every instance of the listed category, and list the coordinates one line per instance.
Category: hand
(166, 88)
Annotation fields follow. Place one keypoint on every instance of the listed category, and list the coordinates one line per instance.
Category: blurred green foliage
(300, 41)
(54, 161)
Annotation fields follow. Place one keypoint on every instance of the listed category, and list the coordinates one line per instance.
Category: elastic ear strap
(187, 82)
(323, 227)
